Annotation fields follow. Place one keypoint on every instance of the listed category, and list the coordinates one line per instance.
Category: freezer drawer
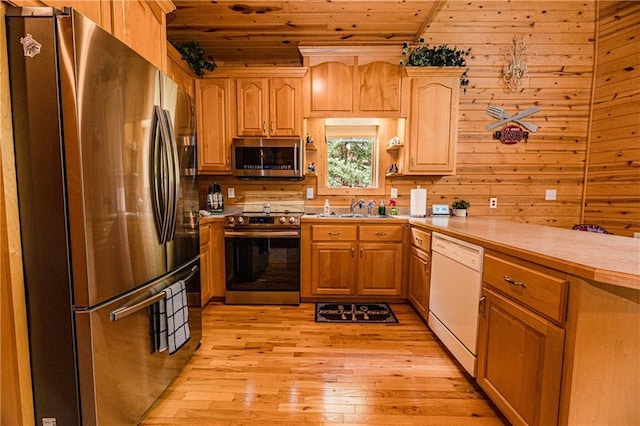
(119, 374)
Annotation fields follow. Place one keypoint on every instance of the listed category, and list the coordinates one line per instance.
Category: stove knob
(240, 220)
(292, 220)
(231, 220)
(282, 220)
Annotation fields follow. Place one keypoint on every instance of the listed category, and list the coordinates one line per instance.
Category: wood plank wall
(612, 196)
(560, 40)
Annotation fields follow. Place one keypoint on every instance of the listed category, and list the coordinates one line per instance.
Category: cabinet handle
(482, 305)
(272, 127)
(426, 267)
(361, 252)
(513, 282)
(419, 240)
(264, 127)
(353, 252)
(333, 233)
(413, 161)
(381, 234)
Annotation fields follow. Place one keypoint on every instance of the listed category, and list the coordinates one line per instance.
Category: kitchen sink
(350, 216)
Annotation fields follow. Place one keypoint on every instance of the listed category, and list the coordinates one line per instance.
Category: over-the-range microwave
(280, 158)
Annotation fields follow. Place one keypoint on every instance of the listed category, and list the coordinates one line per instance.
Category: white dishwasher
(456, 282)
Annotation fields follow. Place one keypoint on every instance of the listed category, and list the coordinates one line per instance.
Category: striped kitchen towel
(177, 316)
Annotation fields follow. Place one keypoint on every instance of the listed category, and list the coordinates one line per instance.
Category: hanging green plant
(437, 56)
(194, 55)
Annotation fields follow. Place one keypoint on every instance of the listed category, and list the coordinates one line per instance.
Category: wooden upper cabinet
(252, 106)
(179, 71)
(331, 88)
(142, 25)
(268, 106)
(352, 81)
(213, 114)
(380, 87)
(433, 121)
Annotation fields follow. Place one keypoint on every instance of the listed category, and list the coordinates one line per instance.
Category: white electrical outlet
(394, 192)
(636, 235)
(231, 193)
(493, 203)
(49, 421)
(550, 194)
(309, 193)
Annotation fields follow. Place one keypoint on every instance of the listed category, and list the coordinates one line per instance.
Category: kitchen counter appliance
(274, 158)
(456, 283)
(262, 256)
(105, 156)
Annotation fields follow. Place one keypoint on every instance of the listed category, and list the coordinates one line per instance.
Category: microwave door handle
(295, 158)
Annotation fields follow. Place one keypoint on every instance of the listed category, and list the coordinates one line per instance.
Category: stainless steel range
(262, 255)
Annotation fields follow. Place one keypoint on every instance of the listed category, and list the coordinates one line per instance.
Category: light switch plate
(439, 209)
(550, 194)
(394, 192)
(231, 193)
(309, 193)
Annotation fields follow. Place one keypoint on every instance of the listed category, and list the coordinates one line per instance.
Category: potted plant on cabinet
(423, 55)
(460, 207)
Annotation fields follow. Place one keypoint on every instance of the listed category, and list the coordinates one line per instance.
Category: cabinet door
(331, 87)
(205, 264)
(213, 105)
(380, 269)
(217, 274)
(520, 361)
(333, 268)
(285, 118)
(433, 119)
(379, 87)
(252, 106)
(419, 281)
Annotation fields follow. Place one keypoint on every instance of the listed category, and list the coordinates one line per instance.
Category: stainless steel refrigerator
(108, 205)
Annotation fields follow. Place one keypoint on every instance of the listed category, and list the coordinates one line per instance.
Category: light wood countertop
(607, 259)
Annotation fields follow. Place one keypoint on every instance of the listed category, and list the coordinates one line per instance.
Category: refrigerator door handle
(128, 310)
(174, 173)
(159, 168)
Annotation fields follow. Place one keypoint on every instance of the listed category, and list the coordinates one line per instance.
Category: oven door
(262, 266)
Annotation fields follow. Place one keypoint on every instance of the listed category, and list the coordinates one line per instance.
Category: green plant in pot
(460, 207)
(194, 55)
(423, 55)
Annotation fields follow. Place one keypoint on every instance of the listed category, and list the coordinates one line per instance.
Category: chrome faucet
(359, 204)
(371, 204)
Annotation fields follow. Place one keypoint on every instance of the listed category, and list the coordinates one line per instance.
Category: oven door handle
(262, 234)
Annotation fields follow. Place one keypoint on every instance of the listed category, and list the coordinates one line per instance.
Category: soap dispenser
(327, 208)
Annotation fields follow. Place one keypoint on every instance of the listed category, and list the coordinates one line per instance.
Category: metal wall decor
(511, 134)
(516, 71)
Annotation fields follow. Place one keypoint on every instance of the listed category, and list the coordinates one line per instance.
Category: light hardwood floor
(274, 365)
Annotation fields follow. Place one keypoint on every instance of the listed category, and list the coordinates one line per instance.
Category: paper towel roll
(418, 202)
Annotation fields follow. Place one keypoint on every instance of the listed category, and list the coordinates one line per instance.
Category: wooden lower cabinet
(352, 260)
(419, 281)
(520, 361)
(205, 264)
(380, 269)
(212, 273)
(334, 269)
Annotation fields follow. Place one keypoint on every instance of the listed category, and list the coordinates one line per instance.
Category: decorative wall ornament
(515, 73)
(504, 118)
(510, 135)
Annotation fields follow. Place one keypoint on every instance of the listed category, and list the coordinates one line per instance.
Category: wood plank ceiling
(267, 32)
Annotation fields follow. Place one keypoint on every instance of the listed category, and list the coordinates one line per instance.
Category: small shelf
(311, 147)
(394, 147)
(393, 174)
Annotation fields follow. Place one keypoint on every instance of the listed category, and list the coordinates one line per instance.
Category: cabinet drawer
(204, 235)
(535, 288)
(333, 233)
(421, 239)
(380, 232)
